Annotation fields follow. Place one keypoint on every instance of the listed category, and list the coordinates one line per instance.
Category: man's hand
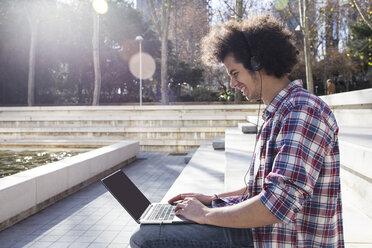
(192, 209)
(205, 199)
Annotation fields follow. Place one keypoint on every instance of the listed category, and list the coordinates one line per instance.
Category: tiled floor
(92, 217)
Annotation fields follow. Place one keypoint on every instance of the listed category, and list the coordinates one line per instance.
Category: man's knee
(135, 240)
(144, 236)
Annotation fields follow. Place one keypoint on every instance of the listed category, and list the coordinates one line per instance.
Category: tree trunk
(303, 5)
(238, 17)
(97, 70)
(33, 23)
(31, 66)
(164, 51)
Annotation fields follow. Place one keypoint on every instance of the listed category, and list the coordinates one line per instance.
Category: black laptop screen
(126, 192)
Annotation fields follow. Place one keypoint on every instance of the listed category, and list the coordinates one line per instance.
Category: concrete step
(219, 143)
(160, 124)
(116, 111)
(203, 174)
(357, 225)
(238, 151)
(352, 117)
(103, 116)
(247, 127)
(203, 133)
(189, 155)
(134, 122)
(356, 173)
(169, 145)
(148, 145)
(252, 119)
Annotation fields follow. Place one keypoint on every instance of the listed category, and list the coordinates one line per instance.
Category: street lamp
(140, 39)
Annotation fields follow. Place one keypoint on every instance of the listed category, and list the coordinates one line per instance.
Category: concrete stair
(158, 128)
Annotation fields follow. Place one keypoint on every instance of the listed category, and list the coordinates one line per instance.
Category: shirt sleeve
(300, 146)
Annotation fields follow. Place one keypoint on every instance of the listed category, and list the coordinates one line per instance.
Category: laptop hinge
(146, 211)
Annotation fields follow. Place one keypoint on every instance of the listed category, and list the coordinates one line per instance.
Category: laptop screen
(126, 192)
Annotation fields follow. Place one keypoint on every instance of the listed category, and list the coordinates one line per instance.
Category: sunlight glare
(148, 65)
(100, 6)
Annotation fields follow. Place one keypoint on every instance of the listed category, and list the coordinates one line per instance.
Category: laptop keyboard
(162, 212)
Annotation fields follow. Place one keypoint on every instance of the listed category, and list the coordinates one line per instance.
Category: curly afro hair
(265, 38)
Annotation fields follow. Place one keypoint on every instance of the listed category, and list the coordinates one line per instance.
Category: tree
(361, 46)
(188, 24)
(162, 26)
(304, 22)
(238, 17)
(33, 16)
(96, 62)
(181, 74)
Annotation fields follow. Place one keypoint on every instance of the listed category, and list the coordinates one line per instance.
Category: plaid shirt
(298, 172)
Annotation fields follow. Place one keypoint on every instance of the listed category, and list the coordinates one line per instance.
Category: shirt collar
(278, 99)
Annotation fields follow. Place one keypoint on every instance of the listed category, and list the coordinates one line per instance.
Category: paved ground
(92, 217)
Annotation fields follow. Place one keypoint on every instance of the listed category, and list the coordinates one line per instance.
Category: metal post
(140, 39)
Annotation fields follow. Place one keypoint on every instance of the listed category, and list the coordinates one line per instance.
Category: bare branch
(362, 14)
(231, 8)
(155, 16)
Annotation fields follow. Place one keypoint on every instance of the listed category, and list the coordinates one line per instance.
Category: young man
(293, 196)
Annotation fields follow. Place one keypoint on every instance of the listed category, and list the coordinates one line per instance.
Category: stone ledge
(351, 98)
(203, 174)
(238, 150)
(28, 192)
(353, 117)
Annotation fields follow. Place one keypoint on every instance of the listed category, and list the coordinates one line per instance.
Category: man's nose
(233, 83)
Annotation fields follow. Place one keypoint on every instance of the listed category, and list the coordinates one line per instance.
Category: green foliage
(181, 74)
(361, 43)
(202, 94)
(226, 95)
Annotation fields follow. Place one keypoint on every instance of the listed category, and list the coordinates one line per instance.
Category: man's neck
(271, 86)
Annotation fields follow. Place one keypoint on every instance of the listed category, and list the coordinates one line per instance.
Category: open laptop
(136, 203)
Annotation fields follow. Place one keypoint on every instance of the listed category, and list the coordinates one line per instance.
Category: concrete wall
(28, 192)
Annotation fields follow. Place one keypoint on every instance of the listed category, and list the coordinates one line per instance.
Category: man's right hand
(205, 199)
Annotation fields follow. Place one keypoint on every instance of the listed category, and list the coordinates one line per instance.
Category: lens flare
(100, 6)
(148, 65)
(281, 4)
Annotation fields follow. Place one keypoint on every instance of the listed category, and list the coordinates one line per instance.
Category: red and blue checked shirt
(298, 172)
